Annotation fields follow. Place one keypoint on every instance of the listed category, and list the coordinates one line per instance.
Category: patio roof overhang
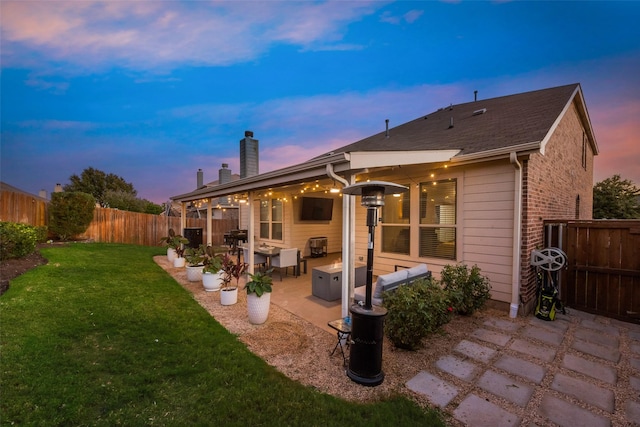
(343, 163)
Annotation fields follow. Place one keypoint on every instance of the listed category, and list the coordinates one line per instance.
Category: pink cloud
(617, 128)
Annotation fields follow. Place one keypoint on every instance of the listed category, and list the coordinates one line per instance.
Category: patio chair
(287, 258)
(257, 258)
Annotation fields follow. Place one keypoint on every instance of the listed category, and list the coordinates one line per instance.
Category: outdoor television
(316, 209)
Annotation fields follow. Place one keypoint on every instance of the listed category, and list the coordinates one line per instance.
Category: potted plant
(195, 262)
(259, 296)
(175, 247)
(228, 292)
(212, 273)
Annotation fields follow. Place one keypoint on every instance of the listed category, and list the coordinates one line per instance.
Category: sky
(154, 90)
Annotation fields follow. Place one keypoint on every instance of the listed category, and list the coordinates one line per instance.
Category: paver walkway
(579, 370)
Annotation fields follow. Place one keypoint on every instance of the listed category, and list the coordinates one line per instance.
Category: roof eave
(372, 159)
(498, 153)
(300, 172)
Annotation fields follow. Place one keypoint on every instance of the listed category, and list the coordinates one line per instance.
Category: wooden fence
(23, 208)
(111, 225)
(603, 271)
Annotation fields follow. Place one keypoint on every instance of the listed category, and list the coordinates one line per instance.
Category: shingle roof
(508, 121)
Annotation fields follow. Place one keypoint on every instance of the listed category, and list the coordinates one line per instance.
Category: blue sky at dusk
(154, 90)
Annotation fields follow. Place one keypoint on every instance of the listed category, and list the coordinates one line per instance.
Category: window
(271, 219)
(437, 235)
(396, 236)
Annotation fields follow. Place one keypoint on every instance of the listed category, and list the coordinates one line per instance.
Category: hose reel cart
(548, 262)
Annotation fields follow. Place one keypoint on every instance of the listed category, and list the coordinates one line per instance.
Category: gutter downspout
(517, 237)
(348, 272)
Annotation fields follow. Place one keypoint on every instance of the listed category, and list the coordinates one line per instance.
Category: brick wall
(552, 182)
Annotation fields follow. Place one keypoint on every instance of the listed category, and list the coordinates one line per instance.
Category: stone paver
(595, 370)
(566, 414)
(544, 335)
(552, 326)
(438, 391)
(596, 350)
(541, 352)
(491, 336)
(500, 385)
(601, 327)
(522, 368)
(475, 351)
(584, 391)
(504, 363)
(632, 410)
(597, 338)
(505, 325)
(457, 367)
(477, 412)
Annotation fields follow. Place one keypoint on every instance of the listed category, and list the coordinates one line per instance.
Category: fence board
(23, 208)
(603, 272)
(116, 226)
(111, 225)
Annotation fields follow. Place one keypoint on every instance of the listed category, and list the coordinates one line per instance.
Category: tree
(70, 213)
(97, 183)
(616, 198)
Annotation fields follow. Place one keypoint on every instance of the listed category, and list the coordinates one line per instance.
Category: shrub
(414, 312)
(18, 240)
(70, 213)
(467, 290)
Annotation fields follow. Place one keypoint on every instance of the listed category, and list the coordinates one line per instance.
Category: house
(482, 177)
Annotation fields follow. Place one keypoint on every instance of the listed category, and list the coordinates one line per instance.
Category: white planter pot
(194, 273)
(228, 296)
(212, 281)
(179, 262)
(171, 254)
(258, 307)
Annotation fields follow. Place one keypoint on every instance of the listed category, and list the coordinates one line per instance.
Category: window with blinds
(396, 235)
(271, 219)
(437, 236)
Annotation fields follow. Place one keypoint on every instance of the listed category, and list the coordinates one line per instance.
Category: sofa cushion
(387, 279)
(417, 270)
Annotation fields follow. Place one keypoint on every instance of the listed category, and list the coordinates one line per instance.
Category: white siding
(487, 225)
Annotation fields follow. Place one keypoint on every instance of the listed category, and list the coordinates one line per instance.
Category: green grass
(103, 336)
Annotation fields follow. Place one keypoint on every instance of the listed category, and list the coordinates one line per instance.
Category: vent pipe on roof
(451, 122)
(475, 95)
(387, 125)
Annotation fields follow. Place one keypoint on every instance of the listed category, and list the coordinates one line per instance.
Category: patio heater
(367, 321)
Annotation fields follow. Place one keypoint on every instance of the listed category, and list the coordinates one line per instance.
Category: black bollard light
(367, 321)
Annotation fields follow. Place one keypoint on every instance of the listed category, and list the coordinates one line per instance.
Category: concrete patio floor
(294, 295)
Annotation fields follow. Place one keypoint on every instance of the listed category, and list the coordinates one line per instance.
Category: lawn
(103, 336)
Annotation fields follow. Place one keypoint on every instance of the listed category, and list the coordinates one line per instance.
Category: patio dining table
(273, 251)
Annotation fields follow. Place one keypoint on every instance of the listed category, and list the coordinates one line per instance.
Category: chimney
(199, 179)
(249, 159)
(224, 174)
(43, 193)
(58, 188)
